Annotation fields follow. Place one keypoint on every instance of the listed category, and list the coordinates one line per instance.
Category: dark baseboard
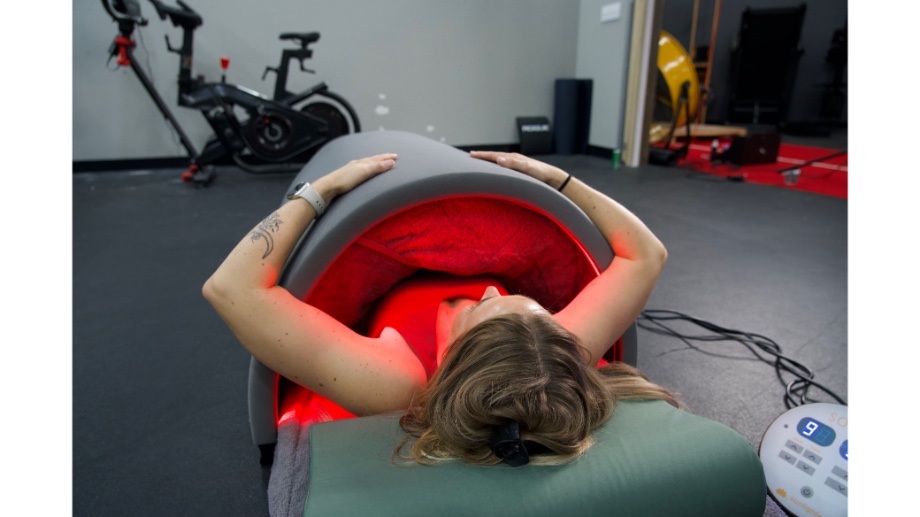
(181, 162)
(129, 164)
(600, 152)
(592, 150)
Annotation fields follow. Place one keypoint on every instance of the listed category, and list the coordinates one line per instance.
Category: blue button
(843, 450)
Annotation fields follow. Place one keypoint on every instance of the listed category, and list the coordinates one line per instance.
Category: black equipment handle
(189, 20)
(184, 17)
(126, 12)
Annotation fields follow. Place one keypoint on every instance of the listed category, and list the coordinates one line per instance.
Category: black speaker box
(535, 135)
(753, 149)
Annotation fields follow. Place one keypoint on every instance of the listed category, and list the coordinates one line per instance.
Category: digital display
(816, 432)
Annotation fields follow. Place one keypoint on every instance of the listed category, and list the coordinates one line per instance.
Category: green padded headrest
(649, 459)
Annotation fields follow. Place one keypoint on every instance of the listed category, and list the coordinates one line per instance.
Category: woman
(513, 378)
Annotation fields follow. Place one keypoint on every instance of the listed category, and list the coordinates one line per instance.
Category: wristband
(307, 192)
(564, 183)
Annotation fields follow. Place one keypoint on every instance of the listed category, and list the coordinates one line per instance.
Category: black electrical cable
(796, 390)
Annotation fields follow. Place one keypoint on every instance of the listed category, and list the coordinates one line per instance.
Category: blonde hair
(517, 367)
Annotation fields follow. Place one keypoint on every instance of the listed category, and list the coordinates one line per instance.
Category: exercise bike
(259, 134)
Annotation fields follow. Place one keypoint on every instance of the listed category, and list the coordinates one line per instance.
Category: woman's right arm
(302, 343)
(611, 302)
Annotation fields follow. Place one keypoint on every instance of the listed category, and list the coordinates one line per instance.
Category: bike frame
(217, 101)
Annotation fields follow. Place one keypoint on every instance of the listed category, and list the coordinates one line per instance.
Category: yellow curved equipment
(675, 66)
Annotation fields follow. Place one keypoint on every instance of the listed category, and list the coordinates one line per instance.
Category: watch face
(297, 188)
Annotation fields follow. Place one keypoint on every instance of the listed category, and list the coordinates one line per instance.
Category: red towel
(526, 251)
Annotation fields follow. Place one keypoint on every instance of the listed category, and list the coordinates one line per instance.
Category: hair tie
(506, 444)
(564, 183)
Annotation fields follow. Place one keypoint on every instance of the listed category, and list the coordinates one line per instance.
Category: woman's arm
(297, 340)
(610, 303)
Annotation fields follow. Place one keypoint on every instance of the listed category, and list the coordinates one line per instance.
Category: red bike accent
(123, 43)
(189, 174)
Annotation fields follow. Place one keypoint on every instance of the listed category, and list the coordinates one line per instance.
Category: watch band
(307, 192)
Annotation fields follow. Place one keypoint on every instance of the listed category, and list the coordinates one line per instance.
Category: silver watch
(307, 192)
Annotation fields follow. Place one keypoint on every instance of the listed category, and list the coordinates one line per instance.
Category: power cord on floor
(796, 390)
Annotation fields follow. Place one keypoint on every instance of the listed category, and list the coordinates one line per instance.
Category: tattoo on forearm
(264, 231)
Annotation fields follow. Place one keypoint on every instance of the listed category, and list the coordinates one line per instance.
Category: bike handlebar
(184, 16)
(125, 11)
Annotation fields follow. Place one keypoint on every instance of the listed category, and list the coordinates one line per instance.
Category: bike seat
(305, 38)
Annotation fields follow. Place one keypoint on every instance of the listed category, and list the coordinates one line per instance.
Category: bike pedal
(203, 178)
(198, 176)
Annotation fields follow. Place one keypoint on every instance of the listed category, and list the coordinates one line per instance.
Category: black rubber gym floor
(160, 421)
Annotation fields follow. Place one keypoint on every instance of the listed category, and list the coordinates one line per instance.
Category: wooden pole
(693, 24)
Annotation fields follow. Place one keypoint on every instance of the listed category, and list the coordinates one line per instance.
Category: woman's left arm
(297, 340)
(608, 305)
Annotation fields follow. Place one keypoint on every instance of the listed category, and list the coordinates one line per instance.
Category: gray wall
(822, 18)
(603, 56)
(457, 71)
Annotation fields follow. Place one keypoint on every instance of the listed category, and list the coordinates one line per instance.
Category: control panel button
(788, 458)
(794, 446)
(836, 485)
(810, 455)
(807, 468)
(837, 471)
(807, 491)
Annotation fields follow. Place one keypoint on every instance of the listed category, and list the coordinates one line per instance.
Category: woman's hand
(352, 174)
(552, 176)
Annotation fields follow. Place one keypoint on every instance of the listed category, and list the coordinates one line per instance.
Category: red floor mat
(827, 176)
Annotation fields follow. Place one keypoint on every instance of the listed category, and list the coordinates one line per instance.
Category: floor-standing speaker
(572, 115)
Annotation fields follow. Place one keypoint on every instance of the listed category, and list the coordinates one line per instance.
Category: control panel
(804, 454)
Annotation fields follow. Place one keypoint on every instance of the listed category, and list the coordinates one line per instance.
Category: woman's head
(510, 361)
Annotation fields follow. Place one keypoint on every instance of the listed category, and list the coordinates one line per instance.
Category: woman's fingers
(492, 156)
(485, 155)
(366, 168)
(514, 161)
(518, 162)
(354, 173)
(378, 163)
